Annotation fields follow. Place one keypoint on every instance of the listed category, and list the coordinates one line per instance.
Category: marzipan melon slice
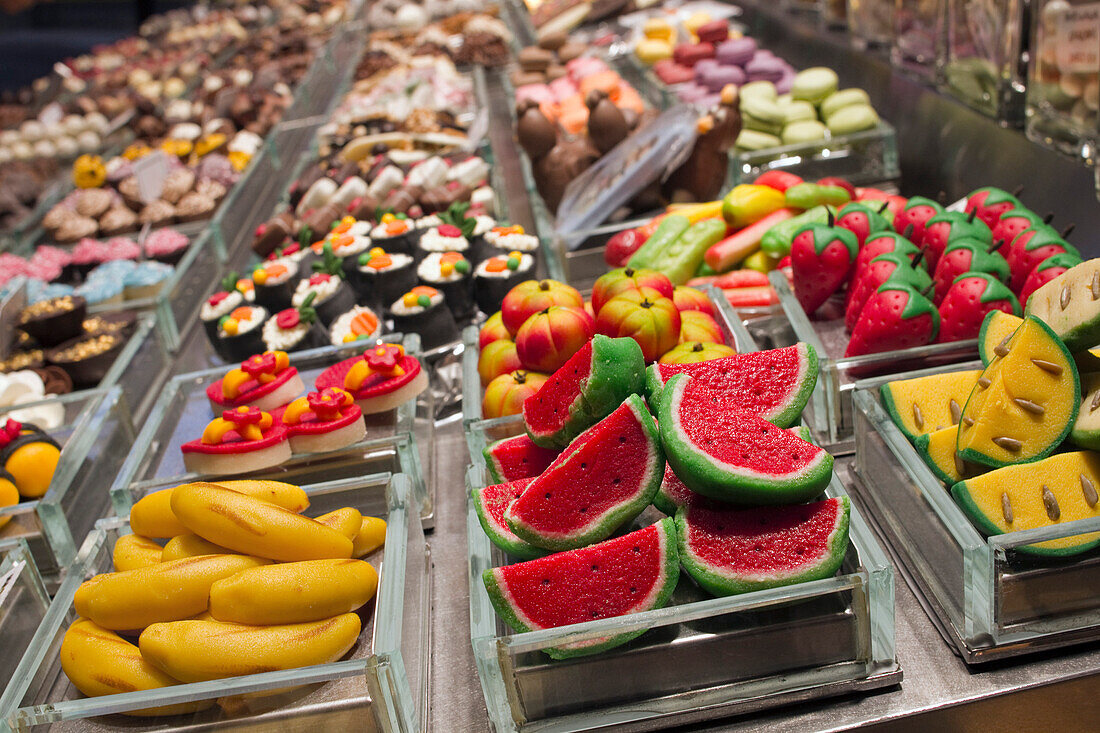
(1055, 490)
(1070, 305)
(925, 404)
(938, 449)
(996, 327)
(1025, 402)
(1086, 429)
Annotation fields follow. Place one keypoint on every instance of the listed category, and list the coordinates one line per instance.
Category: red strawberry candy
(779, 180)
(1032, 247)
(888, 267)
(989, 203)
(970, 298)
(895, 317)
(1013, 222)
(945, 228)
(1047, 270)
(966, 255)
(862, 220)
(916, 213)
(821, 258)
(880, 244)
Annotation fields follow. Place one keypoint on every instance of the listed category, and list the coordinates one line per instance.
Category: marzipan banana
(152, 515)
(346, 521)
(193, 651)
(245, 524)
(293, 592)
(100, 662)
(167, 591)
(190, 545)
(132, 551)
(371, 536)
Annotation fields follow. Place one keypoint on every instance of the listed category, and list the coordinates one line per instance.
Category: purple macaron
(718, 77)
(737, 51)
(765, 69)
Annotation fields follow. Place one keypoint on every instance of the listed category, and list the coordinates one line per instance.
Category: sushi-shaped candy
(494, 277)
(359, 323)
(395, 234)
(423, 311)
(216, 307)
(451, 274)
(443, 238)
(382, 277)
(295, 328)
(333, 295)
(240, 334)
(274, 283)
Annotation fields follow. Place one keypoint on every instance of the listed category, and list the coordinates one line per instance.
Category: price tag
(1077, 39)
(51, 114)
(151, 172)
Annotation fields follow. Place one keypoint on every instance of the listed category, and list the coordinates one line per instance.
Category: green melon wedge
(629, 574)
(731, 551)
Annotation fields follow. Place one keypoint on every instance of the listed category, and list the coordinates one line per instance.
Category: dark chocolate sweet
(49, 322)
(87, 359)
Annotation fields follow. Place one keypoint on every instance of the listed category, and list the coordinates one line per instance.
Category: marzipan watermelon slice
(490, 503)
(604, 479)
(629, 574)
(730, 551)
(774, 384)
(673, 494)
(584, 390)
(518, 457)
(734, 456)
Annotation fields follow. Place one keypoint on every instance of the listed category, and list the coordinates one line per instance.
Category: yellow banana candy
(190, 545)
(288, 496)
(293, 592)
(152, 516)
(132, 551)
(346, 521)
(246, 524)
(100, 662)
(371, 536)
(167, 591)
(194, 651)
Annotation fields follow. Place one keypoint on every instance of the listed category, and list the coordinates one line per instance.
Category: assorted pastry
(263, 419)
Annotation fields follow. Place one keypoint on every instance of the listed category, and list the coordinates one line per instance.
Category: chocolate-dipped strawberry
(947, 227)
(887, 267)
(896, 317)
(965, 304)
(821, 258)
(990, 202)
(862, 220)
(1016, 221)
(1046, 271)
(606, 124)
(883, 242)
(966, 255)
(916, 213)
(1033, 246)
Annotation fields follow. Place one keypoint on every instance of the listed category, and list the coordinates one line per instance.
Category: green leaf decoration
(229, 282)
(305, 236)
(306, 312)
(329, 263)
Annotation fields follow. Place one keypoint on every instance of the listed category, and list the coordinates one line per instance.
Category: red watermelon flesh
(593, 488)
(734, 456)
(629, 574)
(545, 414)
(515, 458)
(729, 551)
(774, 384)
(491, 502)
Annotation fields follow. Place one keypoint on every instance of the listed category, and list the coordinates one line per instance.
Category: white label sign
(1077, 38)
(151, 171)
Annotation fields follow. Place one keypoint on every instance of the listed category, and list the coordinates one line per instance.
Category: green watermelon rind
(702, 475)
(514, 547)
(619, 515)
(720, 584)
(921, 443)
(975, 456)
(671, 563)
(615, 372)
(665, 505)
(960, 492)
(654, 387)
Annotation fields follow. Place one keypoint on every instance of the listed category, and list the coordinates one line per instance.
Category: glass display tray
(23, 602)
(863, 158)
(703, 657)
(94, 436)
(829, 412)
(728, 321)
(987, 601)
(141, 366)
(380, 686)
(183, 410)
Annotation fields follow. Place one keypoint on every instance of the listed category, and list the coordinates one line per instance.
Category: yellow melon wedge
(926, 404)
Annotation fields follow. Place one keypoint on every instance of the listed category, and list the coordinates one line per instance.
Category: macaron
(671, 72)
(715, 31)
(765, 68)
(843, 98)
(762, 108)
(798, 110)
(736, 51)
(814, 84)
(719, 76)
(853, 118)
(749, 122)
(690, 54)
(758, 88)
(803, 131)
(754, 140)
(652, 50)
